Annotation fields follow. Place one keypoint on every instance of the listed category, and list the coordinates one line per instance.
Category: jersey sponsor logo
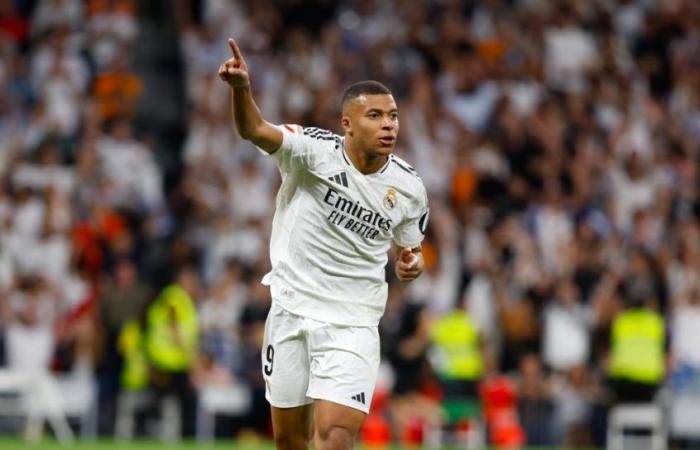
(390, 198)
(359, 398)
(353, 216)
(340, 178)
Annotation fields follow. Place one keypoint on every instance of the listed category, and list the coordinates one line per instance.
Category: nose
(387, 123)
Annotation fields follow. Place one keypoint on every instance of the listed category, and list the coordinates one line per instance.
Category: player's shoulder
(320, 134)
(404, 175)
(314, 137)
(310, 132)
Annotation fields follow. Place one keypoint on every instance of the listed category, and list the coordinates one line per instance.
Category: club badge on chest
(390, 198)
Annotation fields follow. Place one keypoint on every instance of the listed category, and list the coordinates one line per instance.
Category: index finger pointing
(234, 49)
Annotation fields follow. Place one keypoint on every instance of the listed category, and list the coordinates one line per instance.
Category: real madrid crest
(390, 198)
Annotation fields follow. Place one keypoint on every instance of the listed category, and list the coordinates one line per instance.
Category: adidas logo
(359, 397)
(340, 178)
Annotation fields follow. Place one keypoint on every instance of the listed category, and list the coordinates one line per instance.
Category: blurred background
(559, 142)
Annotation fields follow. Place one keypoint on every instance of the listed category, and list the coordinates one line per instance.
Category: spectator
(566, 336)
(558, 142)
(116, 90)
(536, 402)
(130, 168)
(252, 332)
(123, 300)
(30, 316)
(685, 327)
(408, 357)
(219, 318)
(575, 396)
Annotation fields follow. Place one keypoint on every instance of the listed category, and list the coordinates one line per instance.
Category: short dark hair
(367, 87)
(637, 290)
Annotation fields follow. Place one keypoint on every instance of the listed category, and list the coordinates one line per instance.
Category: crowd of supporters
(559, 142)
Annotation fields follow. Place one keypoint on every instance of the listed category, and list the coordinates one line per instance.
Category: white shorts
(304, 359)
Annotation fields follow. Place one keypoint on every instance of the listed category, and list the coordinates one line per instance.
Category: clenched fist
(409, 264)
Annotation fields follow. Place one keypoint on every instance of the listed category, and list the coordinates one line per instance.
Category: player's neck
(364, 162)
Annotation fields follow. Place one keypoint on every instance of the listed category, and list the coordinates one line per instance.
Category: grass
(49, 444)
(9, 443)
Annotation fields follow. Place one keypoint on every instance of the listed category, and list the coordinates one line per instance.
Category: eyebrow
(381, 111)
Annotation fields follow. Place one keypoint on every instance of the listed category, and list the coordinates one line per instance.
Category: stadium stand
(559, 142)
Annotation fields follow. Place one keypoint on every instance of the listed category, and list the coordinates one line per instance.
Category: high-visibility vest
(456, 339)
(173, 313)
(637, 352)
(134, 374)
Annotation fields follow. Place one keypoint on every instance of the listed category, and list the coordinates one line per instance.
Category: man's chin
(383, 150)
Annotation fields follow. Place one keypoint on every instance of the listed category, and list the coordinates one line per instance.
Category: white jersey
(334, 225)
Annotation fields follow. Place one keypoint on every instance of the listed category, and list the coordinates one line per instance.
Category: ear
(345, 121)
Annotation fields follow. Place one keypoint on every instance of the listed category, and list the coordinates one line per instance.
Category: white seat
(684, 420)
(39, 401)
(637, 416)
(473, 438)
(78, 391)
(233, 399)
(129, 403)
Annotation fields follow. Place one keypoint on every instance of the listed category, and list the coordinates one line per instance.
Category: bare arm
(246, 114)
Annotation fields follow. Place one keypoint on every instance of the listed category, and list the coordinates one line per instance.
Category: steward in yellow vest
(134, 376)
(638, 346)
(171, 343)
(456, 355)
(636, 365)
(171, 339)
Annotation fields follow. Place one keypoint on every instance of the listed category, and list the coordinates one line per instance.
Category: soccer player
(342, 202)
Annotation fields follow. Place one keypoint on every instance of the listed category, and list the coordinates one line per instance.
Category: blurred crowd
(559, 142)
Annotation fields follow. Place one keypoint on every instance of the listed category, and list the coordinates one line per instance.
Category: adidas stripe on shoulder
(403, 165)
(340, 178)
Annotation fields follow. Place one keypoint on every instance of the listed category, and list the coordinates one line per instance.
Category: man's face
(373, 123)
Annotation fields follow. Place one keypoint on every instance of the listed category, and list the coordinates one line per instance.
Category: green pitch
(17, 444)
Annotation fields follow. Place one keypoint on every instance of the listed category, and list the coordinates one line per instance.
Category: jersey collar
(346, 158)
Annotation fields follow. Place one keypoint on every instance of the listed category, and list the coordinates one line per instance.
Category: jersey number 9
(269, 356)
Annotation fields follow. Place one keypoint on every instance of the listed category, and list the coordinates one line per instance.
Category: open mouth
(387, 140)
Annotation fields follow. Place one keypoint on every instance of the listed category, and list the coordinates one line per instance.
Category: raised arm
(246, 114)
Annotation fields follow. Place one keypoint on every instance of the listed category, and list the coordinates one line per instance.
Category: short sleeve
(411, 231)
(297, 152)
